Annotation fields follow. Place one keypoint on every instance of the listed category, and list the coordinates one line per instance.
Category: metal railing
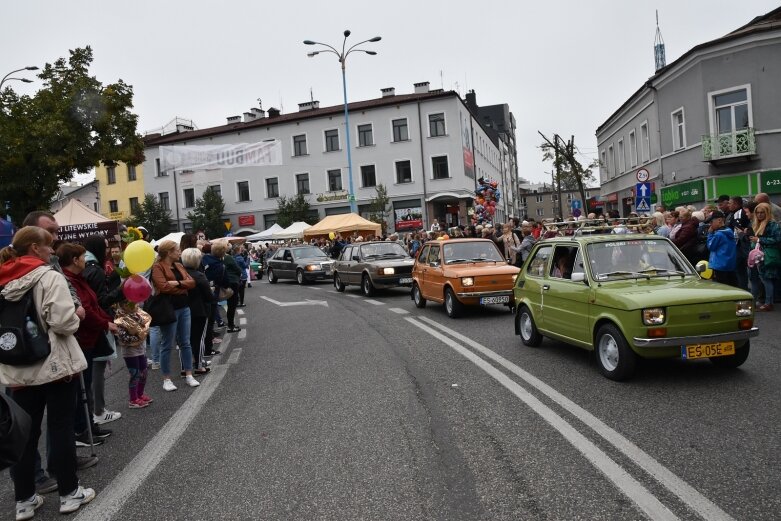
(724, 146)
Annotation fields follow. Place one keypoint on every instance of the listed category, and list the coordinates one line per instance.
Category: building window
(111, 174)
(272, 187)
(158, 169)
(731, 110)
(554, 197)
(569, 197)
(334, 180)
(539, 198)
(400, 130)
(436, 124)
(439, 168)
(611, 161)
(131, 172)
(645, 143)
(368, 176)
(540, 212)
(113, 206)
(299, 145)
(133, 205)
(332, 140)
(242, 191)
(679, 129)
(217, 189)
(403, 172)
(633, 148)
(365, 137)
(189, 197)
(164, 201)
(302, 184)
(621, 157)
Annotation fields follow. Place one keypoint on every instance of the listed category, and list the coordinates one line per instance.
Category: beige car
(373, 265)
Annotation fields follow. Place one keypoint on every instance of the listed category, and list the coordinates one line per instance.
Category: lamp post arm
(356, 45)
(7, 75)
(326, 45)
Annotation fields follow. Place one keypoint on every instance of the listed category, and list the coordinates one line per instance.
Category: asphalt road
(333, 406)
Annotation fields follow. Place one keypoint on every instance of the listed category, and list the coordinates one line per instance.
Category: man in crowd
(721, 244)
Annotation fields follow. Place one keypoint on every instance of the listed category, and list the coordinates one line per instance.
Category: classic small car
(628, 297)
(462, 272)
(303, 263)
(373, 265)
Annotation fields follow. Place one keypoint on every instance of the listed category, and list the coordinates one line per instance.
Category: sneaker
(154, 365)
(46, 486)
(72, 502)
(82, 440)
(138, 403)
(168, 385)
(233, 329)
(85, 462)
(26, 509)
(107, 417)
(100, 434)
(192, 382)
(147, 399)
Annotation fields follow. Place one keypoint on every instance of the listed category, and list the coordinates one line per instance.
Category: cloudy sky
(562, 66)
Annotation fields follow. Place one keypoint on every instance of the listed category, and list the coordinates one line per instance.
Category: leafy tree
(67, 127)
(379, 207)
(294, 209)
(572, 175)
(207, 215)
(152, 215)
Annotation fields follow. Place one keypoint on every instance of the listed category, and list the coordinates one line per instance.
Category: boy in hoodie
(723, 250)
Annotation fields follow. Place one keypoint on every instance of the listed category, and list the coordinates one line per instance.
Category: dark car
(373, 265)
(302, 263)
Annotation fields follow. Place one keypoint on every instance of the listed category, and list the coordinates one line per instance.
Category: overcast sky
(562, 66)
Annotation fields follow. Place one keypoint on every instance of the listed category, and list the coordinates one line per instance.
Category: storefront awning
(449, 195)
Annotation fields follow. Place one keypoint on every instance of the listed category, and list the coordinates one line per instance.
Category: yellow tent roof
(346, 222)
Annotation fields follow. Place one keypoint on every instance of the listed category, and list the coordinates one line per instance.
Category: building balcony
(737, 145)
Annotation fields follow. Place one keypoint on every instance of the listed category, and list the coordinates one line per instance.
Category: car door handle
(546, 287)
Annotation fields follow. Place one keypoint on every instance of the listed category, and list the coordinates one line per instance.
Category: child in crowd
(133, 328)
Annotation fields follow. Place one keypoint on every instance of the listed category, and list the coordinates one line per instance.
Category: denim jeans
(756, 285)
(179, 330)
(769, 288)
(155, 337)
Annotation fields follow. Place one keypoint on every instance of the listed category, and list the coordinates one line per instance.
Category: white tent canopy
(74, 212)
(294, 231)
(265, 235)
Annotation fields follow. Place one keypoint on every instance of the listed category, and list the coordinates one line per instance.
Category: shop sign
(246, 220)
(408, 218)
(771, 182)
(683, 193)
(612, 198)
(332, 196)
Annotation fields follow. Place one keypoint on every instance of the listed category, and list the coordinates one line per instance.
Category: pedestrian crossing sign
(643, 204)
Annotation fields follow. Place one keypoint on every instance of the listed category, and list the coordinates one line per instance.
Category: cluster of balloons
(487, 195)
(138, 257)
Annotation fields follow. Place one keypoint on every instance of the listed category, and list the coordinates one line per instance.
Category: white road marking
(374, 302)
(400, 311)
(633, 489)
(242, 321)
(314, 288)
(234, 357)
(685, 492)
(240, 311)
(352, 296)
(242, 334)
(307, 302)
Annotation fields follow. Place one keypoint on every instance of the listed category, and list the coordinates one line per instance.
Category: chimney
(259, 113)
(471, 100)
(308, 105)
(273, 113)
(249, 116)
(234, 119)
(183, 128)
(388, 91)
(421, 88)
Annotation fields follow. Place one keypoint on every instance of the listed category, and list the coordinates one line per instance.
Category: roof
(346, 222)
(768, 22)
(74, 212)
(156, 139)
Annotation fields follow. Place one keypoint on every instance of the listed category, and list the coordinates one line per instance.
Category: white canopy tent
(294, 231)
(265, 235)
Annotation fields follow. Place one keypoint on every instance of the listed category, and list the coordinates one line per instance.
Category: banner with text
(408, 218)
(212, 157)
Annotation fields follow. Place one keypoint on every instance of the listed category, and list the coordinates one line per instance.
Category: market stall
(345, 223)
(77, 222)
(294, 231)
(265, 235)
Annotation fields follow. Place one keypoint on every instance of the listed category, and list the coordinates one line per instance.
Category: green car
(629, 296)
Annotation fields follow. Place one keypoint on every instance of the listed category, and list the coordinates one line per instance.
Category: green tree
(152, 215)
(572, 175)
(379, 207)
(67, 127)
(207, 215)
(294, 209)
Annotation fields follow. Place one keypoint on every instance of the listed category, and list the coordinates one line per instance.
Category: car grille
(403, 270)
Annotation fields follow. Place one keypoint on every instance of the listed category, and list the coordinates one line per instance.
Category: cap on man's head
(715, 214)
(723, 199)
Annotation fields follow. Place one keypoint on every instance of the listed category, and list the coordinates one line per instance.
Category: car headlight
(387, 271)
(653, 316)
(515, 277)
(744, 308)
(467, 281)
(312, 267)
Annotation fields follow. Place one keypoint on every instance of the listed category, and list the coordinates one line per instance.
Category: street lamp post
(343, 61)
(23, 80)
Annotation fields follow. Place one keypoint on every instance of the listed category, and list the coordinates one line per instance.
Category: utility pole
(558, 174)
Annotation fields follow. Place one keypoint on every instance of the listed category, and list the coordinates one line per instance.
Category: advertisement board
(408, 219)
(683, 193)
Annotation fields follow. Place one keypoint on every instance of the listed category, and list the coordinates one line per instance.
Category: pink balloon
(137, 289)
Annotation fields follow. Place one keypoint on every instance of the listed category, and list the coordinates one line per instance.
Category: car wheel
(733, 361)
(615, 358)
(527, 328)
(338, 284)
(272, 278)
(300, 277)
(417, 296)
(453, 307)
(367, 287)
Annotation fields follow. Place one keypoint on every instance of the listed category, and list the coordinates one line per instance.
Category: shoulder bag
(14, 430)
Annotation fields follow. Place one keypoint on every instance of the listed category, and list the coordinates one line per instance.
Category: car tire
(733, 361)
(272, 278)
(527, 329)
(615, 358)
(338, 284)
(453, 306)
(417, 296)
(300, 277)
(366, 286)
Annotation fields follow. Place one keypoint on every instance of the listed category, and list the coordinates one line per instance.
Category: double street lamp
(343, 60)
(23, 80)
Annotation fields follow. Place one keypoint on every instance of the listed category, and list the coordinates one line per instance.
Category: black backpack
(22, 339)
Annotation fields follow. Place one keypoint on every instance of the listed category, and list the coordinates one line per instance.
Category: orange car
(462, 272)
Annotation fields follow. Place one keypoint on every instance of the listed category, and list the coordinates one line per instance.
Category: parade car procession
(624, 297)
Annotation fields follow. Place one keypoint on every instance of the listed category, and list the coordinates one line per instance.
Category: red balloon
(137, 289)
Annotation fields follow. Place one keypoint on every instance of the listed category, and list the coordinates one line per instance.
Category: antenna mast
(659, 58)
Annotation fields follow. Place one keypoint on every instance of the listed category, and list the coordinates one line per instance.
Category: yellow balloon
(332, 235)
(704, 269)
(139, 256)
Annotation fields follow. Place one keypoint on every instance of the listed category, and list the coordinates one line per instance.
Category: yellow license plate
(708, 350)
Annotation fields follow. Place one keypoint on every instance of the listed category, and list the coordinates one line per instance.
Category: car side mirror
(578, 277)
(356, 258)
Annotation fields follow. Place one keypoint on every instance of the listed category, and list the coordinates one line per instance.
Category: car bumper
(391, 282)
(478, 294)
(679, 341)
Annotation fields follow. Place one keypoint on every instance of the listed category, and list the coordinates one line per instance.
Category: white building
(426, 148)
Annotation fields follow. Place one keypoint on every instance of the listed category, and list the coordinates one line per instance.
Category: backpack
(22, 339)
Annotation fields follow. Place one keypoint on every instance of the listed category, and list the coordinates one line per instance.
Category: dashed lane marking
(374, 302)
(353, 296)
(399, 311)
(242, 334)
(234, 357)
(242, 321)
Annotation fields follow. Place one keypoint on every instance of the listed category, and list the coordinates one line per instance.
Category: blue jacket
(242, 265)
(723, 250)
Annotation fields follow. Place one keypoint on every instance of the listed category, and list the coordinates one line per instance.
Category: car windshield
(471, 251)
(383, 249)
(309, 253)
(638, 258)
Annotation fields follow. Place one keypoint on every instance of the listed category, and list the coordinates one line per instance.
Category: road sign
(642, 175)
(643, 204)
(576, 212)
(351, 198)
(576, 204)
(643, 190)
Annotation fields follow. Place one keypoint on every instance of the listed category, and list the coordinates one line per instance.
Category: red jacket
(96, 320)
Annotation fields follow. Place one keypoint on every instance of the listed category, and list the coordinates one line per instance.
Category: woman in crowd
(510, 244)
(241, 262)
(200, 300)
(169, 278)
(233, 273)
(673, 223)
(768, 233)
(24, 266)
(660, 224)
